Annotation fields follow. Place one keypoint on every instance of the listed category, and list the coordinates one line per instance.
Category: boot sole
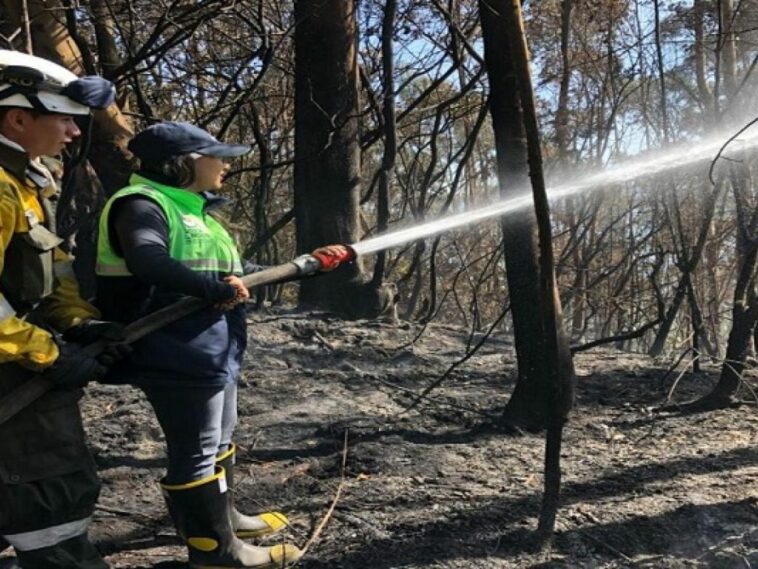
(270, 565)
(258, 533)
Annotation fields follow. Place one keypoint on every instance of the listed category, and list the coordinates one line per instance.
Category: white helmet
(32, 82)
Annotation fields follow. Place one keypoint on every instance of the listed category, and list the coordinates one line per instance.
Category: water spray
(650, 164)
(647, 165)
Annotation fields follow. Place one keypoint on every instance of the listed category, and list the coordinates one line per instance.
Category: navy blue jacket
(203, 349)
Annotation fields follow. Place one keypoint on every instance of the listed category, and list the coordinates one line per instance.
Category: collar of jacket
(16, 160)
(215, 201)
(197, 202)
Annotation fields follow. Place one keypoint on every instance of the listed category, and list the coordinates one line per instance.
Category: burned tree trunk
(327, 153)
(387, 169)
(556, 373)
(744, 317)
(526, 408)
(688, 262)
(745, 308)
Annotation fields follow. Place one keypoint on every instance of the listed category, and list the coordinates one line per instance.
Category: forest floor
(435, 487)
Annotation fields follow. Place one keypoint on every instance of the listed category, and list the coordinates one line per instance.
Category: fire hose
(305, 265)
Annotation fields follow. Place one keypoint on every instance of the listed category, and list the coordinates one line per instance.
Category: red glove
(332, 256)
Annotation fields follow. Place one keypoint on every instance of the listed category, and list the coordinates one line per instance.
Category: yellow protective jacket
(36, 276)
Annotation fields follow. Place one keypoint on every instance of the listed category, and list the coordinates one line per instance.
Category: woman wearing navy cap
(157, 243)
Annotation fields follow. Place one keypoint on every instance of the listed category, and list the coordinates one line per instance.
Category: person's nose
(73, 130)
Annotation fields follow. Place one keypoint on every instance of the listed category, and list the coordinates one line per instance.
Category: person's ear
(16, 121)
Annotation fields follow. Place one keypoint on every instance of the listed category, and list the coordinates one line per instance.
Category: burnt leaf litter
(443, 486)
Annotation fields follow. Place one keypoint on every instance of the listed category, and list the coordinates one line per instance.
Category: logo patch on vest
(194, 225)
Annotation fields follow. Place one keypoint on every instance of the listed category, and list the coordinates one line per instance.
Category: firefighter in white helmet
(48, 482)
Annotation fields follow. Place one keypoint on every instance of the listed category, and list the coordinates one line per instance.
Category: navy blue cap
(169, 139)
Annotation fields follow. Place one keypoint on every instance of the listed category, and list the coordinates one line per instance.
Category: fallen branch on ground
(434, 400)
(436, 383)
(337, 494)
(618, 338)
(677, 380)
(670, 370)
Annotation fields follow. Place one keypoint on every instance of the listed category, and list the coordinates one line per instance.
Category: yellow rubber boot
(245, 526)
(201, 513)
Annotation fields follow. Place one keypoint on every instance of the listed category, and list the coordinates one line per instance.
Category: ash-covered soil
(436, 487)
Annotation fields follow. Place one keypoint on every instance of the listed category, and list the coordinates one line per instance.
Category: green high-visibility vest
(196, 239)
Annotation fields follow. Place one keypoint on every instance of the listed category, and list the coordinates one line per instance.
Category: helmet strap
(36, 104)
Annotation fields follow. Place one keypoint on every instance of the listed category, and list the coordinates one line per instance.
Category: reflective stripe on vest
(37, 539)
(6, 310)
(196, 239)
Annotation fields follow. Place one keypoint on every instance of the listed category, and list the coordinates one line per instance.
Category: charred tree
(387, 168)
(687, 261)
(557, 370)
(745, 307)
(327, 153)
(526, 408)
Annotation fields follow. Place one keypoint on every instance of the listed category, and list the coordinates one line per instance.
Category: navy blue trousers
(198, 423)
